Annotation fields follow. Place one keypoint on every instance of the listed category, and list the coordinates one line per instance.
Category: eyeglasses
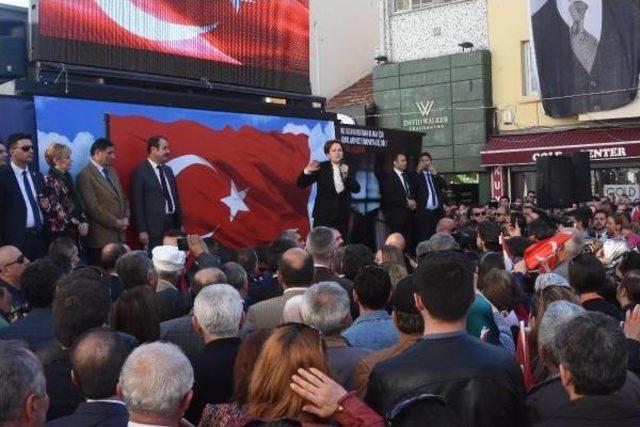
(483, 213)
(19, 260)
(26, 148)
(98, 271)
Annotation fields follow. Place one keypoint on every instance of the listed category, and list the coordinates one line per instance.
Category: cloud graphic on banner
(80, 148)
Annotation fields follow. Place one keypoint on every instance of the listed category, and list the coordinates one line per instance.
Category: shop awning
(524, 149)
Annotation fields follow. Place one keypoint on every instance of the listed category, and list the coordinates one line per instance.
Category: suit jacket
(615, 69)
(95, 414)
(423, 193)
(103, 205)
(329, 205)
(180, 332)
(213, 376)
(36, 329)
(171, 302)
(13, 210)
(394, 198)
(268, 313)
(148, 202)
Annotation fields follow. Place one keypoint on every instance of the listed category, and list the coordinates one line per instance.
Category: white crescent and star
(143, 24)
(234, 201)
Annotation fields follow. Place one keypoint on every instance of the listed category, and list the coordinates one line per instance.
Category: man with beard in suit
(398, 199)
(336, 181)
(154, 195)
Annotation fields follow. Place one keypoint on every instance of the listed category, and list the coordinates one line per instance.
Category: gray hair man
(237, 277)
(325, 306)
(217, 316)
(23, 389)
(155, 384)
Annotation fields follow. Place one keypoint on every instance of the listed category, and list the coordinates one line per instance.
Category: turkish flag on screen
(242, 180)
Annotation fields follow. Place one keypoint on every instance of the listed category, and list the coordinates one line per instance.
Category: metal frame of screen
(57, 50)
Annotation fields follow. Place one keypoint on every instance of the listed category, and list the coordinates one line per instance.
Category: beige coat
(103, 205)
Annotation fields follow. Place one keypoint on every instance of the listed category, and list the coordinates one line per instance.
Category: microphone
(343, 174)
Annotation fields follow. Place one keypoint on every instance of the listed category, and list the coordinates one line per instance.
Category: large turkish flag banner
(243, 180)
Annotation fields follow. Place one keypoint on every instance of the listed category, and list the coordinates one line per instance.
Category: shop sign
(427, 120)
(594, 153)
(497, 183)
(632, 191)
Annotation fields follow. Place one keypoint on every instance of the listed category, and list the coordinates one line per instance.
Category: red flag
(243, 180)
(271, 34)
(546, 251)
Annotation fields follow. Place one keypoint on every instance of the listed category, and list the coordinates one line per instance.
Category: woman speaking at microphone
(335, 182)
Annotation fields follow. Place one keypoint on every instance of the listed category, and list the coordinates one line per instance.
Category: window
(405, 5)
(530, 83)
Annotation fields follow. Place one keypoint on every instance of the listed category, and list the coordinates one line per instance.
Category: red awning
(524, 149)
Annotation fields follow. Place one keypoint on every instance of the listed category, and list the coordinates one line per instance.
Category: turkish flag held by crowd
(241, 180)
(270, 34)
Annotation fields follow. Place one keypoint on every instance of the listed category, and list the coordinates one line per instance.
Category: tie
(431, 189)
(405, 182)
(337, 179)
(583, 44)
(108, 178)
(32, 201)
(165, 189)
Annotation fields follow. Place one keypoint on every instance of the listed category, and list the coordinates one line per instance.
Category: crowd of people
(505, 314)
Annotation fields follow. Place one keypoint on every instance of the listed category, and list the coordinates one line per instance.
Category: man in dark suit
(587, 47)
(398, 199)
(21, 200)
(154, 195)
(108, 258)
(105, 203)
(335, 182)
(429, 195)
(96, 360)
(38, 284)
(218, 313)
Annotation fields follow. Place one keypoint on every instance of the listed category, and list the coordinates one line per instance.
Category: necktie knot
(577, 9)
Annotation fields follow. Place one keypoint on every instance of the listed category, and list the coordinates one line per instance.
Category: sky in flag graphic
(234, 170)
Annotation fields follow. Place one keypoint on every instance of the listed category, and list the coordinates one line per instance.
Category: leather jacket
(480, 383)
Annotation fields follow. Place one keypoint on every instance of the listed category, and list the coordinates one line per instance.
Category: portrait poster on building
(587, 54)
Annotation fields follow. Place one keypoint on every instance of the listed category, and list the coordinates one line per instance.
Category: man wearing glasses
(21, 199)
(477, 214)
(12, 264)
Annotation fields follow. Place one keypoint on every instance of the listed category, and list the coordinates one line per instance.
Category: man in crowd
(39, 280)
(373, 329)
(481, 383)
(96, 360)
(169, 264)
(325, 306)
(217, 316)
(430, 196)
(109, 256)
(64, 248)
(407, 320)
(592, 378)
(78, 305)
(447, 225)
(599, 226)
(237, 278)
(155, 202)
(398, 199)
(23, 391)
(295, 273)
(180, 331)
(21, 200)
(155, 384)
(12, 265)
(476, 214)
(105, 203)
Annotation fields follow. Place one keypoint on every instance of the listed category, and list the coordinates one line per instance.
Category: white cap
(168, 258)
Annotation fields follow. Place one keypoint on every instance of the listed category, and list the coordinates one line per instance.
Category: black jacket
(95, 414)
(148, 203)
(614, 75)
(480, 382)
(548, 397)
(36, 329)
(594, 411)
(329, 205)
(423, 193)
(394, 198)
(213, 376)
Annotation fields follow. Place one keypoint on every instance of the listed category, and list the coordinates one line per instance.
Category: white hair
(557, 314)
(325, 306)
(21, 376)
(291, 311)
(155, 379)
(218, 309)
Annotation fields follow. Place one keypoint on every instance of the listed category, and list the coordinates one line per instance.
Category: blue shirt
(373, 331)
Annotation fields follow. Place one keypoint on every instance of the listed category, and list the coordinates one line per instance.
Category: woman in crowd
(135, 313)
(289, 350)
(64, 212)
(628, 292)
(230, 413)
